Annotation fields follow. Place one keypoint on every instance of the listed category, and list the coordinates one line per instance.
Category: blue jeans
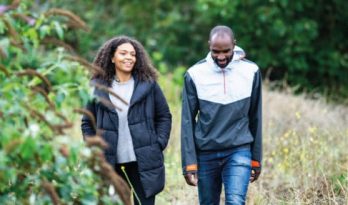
(232, 168)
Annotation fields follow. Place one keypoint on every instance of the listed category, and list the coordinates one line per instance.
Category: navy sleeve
(188, 122)
(255, 117)
(87, 123)
(163, 118)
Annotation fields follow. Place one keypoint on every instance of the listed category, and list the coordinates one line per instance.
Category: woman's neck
(123, 77)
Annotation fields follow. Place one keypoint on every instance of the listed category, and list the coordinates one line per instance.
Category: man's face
(221, 47)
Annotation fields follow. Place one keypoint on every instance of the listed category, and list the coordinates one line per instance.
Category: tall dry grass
(305, 159)
(305, 153)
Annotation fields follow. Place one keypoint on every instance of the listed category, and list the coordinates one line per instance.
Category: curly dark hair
(143, 68)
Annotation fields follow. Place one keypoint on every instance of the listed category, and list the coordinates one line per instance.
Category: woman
(137, 131)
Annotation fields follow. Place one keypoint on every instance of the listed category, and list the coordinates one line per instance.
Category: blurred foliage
(300, 42)
(40, 87)
(42, 81)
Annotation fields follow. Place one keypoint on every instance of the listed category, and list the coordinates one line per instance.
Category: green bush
(42, 87)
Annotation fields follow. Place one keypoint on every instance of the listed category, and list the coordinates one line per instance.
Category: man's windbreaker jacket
(221, 109)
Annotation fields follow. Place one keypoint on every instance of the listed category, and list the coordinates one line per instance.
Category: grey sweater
(125, 149)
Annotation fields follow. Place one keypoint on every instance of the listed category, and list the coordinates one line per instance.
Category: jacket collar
(141, 90)
(238, 54)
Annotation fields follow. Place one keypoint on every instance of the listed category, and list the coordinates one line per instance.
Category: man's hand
(255, 175)
(191, 178)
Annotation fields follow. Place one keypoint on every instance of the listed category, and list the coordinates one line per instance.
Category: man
(223, 144)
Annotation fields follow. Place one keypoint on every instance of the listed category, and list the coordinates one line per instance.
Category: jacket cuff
(192, 168)
(256, 165)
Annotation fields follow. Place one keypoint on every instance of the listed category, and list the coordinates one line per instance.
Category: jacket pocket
(154, 138)
(149, 157)
(140, 134)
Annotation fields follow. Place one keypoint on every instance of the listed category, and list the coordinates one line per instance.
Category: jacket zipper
(223, 73)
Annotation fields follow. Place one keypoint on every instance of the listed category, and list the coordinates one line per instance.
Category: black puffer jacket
(149, 121)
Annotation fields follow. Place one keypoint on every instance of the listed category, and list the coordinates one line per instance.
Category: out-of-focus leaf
(44, 31)
(59, 30)
(27, 149)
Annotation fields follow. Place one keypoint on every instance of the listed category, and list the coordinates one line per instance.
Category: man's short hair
(221, 30)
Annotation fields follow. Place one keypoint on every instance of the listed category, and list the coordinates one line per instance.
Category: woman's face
(124, 58)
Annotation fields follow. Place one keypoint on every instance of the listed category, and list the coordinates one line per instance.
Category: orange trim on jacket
(255, 163)
(191, 167)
